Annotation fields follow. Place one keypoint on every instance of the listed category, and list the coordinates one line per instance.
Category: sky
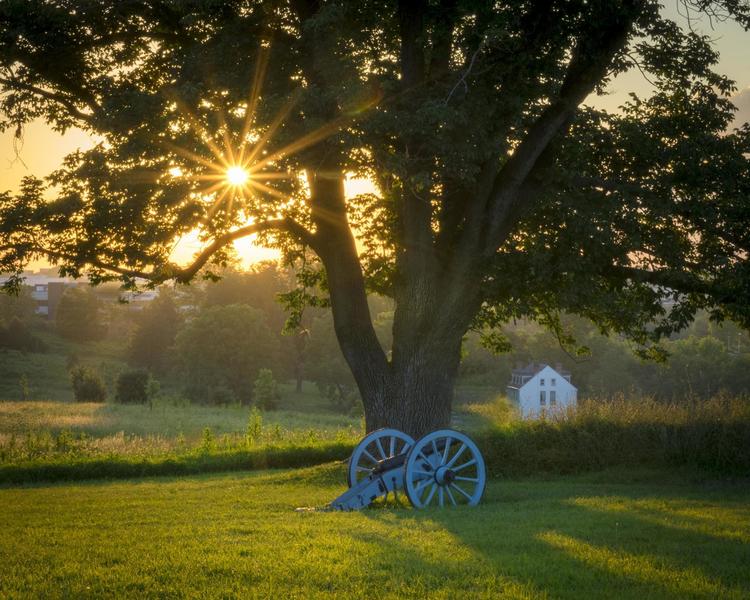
(41, 150)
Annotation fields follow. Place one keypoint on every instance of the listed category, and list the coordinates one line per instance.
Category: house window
(552, 398)
(552, 381)
(542, 398)
(541, 381)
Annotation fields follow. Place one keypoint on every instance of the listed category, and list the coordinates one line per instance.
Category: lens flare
(237, 176)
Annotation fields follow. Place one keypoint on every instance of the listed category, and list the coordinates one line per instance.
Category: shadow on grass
(577, 539)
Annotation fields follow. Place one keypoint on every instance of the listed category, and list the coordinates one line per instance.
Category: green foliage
(133, 387)
(154, 334)
(16, 335)
(710, 435)
(78, 315)
(477, 82)
(501, 195)
(225, 346)
(21, 305)
(254, 426)
(208, 441)
(266, 391)
(708, 358)
(87, 385)
(69, 465)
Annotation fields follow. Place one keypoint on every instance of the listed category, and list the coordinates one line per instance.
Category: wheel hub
(444, 476)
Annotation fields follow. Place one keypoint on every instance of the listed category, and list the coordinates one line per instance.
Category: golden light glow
(242, 170)
(237, 175)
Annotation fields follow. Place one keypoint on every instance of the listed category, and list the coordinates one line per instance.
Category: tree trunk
(427, 336)
(419, 394)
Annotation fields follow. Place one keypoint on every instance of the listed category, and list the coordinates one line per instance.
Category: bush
(16, 335)
(266, 390)
(713, 435)
(87, 385)
(133, 387)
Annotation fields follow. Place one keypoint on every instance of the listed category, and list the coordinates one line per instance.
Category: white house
(538, 388)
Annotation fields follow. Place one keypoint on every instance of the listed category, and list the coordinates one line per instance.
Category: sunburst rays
(237, 166)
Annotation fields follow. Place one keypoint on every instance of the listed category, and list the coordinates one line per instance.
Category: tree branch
(286, 224)
(185, 274)
(591, 58)
(65, 101)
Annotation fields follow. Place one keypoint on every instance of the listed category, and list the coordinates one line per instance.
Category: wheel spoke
(370, 456)
(419, 472)
(466, 464)
(422, 485)
(472, 479)
(434, 448)
(380, 448)
(441, 495)
(431, 494)
(458, 489)
(392, 448)
(456, 455)
(447, 449)
(450, 496)
(363, 469)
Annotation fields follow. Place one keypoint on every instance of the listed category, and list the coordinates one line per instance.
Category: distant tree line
(226, 342)
(703, 360)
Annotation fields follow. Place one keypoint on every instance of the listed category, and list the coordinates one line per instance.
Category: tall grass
(711, 435)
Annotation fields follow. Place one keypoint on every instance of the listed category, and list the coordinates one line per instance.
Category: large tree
(501, 194)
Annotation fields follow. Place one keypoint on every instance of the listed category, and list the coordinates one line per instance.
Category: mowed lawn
(608, 535)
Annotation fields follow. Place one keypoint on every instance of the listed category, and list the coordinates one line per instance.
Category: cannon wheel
(374, 449)
(444, 467)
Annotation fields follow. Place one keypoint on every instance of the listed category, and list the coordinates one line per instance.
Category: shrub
(87, 385)
(266, 390)
(133, 387)
(16, 335)
(254, 426)
(712, 435)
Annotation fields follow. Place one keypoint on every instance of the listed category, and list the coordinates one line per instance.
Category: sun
(237, 176)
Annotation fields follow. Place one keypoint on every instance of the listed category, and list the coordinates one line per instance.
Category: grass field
(624, 534)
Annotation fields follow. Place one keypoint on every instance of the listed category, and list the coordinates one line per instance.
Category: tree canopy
(501, 193)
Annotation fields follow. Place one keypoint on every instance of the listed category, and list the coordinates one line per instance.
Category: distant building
(47, 289)
(47, 296)
(538, 388)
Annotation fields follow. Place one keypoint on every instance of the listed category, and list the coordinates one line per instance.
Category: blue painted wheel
(374, 449)
(444, 467)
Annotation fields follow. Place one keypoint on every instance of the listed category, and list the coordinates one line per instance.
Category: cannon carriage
(443, 468)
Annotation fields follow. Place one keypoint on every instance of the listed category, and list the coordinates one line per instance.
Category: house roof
(533, 368)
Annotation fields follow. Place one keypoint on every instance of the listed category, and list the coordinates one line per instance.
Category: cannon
(443, 468)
